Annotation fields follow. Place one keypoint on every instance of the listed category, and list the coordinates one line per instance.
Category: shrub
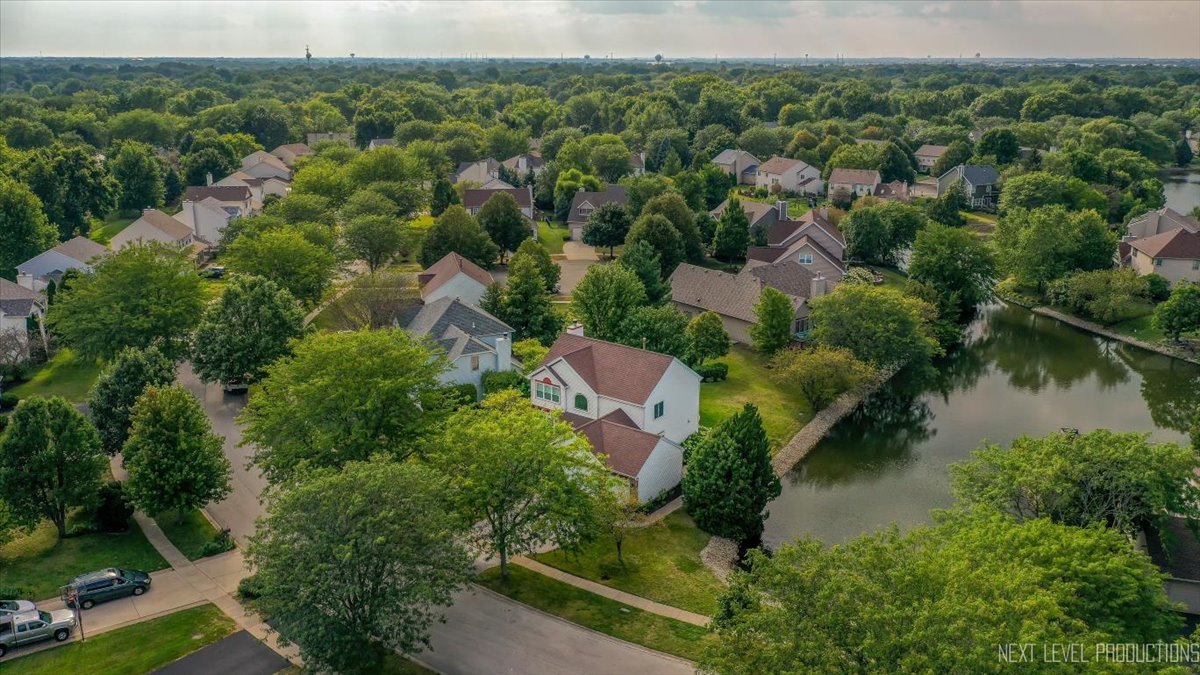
(248, 588)
(1157, 287)
(220, 543)
(1107, 296)
(113, 510)
(712, 372)
(9, 400)
(499, 380)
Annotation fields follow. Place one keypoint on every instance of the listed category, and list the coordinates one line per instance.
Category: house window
(547, 392)
(580, 402)
(658, 410)
(801, 325)
(1158, 262)
(474, 363)
(1196, 264)
(805, 259)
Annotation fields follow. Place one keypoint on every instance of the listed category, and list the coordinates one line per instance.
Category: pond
(1018, 374)
(1182, 190)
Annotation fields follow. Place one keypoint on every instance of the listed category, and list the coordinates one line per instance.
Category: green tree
(140, 175)
(50, 462)
(285, 257)
(299, 208)
(72, 185)
(643, 260)
(118, 387)
(607, 226)
(733, 233)
(1042, 188)
(880, 326)
(706, 338)
(1044, 244)
(675, 209)
(729, 480)
(212, 160)
(444, 196)
(820, 373)
(136, 297)
(1183, 152)
(879, 233)
(959, 265)
(662, 237)
(367, 203)
(1119, 479)
(175, 461)
(530, 353)
(521, 479)
(605, 297)
(661, 329)
(524, 303)
(550, 270)
(947, 209)
(26, 231)
(772, 328)
(503, 221)
(456, 231)
(245, 330)
(1179, 313)
(1000, 143)
(958, 152)
(374, 239)
(372, 549)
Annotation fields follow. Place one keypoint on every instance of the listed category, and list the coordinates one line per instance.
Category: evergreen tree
(456, 231)
(729, 480)
(733, 233)
(675, 209)
(444, 196)
(120, 384)
(643, 260)
(662, 237)
(172, 186)
(525, 303)
(772, 329)
(948, 208)
(1183, 152)
(550, 271)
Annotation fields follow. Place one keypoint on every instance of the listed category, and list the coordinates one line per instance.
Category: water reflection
(1018, 374)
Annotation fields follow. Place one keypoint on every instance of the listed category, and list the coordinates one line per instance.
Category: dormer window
(547, 392)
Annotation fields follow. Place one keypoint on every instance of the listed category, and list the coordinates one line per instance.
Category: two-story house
(455, 277)
(476, 172)
(474, 199)
(237, 200)
(740, 164)
(811, 240)
(261, 164)
(928, 155)
(207, 218)
(473, 341)
(791, 175)
(635, 406)
(290, 152)
(18, 306)
(857, 182)
(584, 203)
(979, 184)
(75, 254)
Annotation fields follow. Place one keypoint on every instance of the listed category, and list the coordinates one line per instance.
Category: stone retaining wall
(1102, 331)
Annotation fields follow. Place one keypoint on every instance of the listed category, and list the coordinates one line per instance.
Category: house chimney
(575, 328)
(824, 213)
(781, 207)
(503, 354)
(208, 178)
(819, 287)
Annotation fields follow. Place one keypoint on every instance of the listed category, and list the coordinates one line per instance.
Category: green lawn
(39, 565)
(599, 613)
(112, 225)
(141, 648)
(892, 278)
(423, 221)
(662, 563)
(783, 409)
(552, 236)
(213, 288)
(191, 536)
(64, 375)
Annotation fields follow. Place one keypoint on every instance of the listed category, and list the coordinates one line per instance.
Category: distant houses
(154, 226)
(288, 153)
(928, 155)
(856, 182)
(583, 203)
(791, 175)
(18, 306)
(979, 184)
(479, 172)
(39, 271)
(740, 164)
(522, 165)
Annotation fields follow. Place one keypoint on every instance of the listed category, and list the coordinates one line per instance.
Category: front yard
(662, 563)
(65, 375)
(551, 236)
(191, 536)
(784, 411)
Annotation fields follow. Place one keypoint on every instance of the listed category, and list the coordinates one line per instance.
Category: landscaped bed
(65, 375)
(784, 410)
(599, 613)
(141, 648)
(662, 563)
(39, 565)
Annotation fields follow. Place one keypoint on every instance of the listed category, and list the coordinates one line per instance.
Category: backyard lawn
(39, 565)
(141, 648)
(191, 536)
(64, 375)
(422, 222)
(662, 563)
(783, 410)
(892, 278)
(598, 613)
(551, 236)
(112, 225)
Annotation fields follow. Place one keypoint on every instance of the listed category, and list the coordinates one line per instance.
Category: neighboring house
(811, 241)
(76, 254)
(290, 152)
(261, 164)
(522, 165)
(154, 225)
(928, 155)
(791, 175)
(1173, 255)
(346, 138)
(477, 172)
(454, 277)
(895, 191)
(259, 187)
(738, 163)
(237, 200)
(497, 184)
(696, 289)
(381, 143)
(207, 218)
(473, 200)
(637, 163)
(634, 406)
(584, 203)
(760, 214)
(17, 306)
(473, 341)
(979, 184)
(858, 182)
(1179, 559)
(1156, 222)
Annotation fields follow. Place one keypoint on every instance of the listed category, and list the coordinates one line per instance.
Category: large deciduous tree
(551, 272)
(605, 297)
(26, 231)
(245, 330)
(658, 232)
(1041, 245)
(504, 223)
(878, 325)
(175, 461)
(371, 549)
(1180, 313)
(672, 206)
(138, 296)
(521, 479)
(50, 462)
(342, 397)
(661, 329)
(959, 265)
(706, 337)
(286, 257)
(120, 384)
(820, 373)
(456, 231)
(879, 233)
(374, 239)
(607, 226)
(140, 175)
(72, 185)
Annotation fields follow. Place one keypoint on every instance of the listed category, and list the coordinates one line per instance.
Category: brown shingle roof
(612, 370)
(222, 193)
(786, 229)
(778, 165)
(444, 270)
(626, 447)
(614, 193)
(732, 295)
(476, 198)
(854, 177)
(81, 249)
(11, 291)
(933, 151)
(166, 224)
(788, 277)
(755, 211)
(1174, 244)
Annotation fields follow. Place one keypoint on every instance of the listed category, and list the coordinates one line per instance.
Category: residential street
(484, 632)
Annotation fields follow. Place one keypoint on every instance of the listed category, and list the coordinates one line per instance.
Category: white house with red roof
(454, 277)
(635, 406)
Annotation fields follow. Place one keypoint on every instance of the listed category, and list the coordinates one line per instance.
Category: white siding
(207, 223)
(460, 286)
(662, 471)
(679, 390)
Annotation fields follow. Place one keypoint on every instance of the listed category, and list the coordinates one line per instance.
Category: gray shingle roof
(614, 193)
(436, 317)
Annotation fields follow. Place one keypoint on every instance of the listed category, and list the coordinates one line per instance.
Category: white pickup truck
(28, 627)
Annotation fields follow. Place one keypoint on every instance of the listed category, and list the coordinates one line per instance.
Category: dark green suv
(86, 590)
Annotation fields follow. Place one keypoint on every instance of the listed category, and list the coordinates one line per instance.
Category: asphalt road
(484, 632)
(238, 654)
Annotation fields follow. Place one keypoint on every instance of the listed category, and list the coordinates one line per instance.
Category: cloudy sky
(625, 28)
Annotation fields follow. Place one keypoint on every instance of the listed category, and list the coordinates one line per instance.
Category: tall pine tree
(733, 233)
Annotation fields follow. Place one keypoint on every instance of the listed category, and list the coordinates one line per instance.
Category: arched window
(580, 402)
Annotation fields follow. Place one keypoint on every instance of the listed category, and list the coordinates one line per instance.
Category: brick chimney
(575, 328)
(819, 286)
(824, 213)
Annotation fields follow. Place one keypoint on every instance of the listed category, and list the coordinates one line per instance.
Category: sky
(624, 28)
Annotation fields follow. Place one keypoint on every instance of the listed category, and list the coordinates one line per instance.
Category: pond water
(1182, 190)
(1018, 374)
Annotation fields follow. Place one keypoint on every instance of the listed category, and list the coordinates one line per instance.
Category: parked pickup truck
(28, 627)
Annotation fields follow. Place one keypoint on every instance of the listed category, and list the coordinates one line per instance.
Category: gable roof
(897, 190)
(491, 164)
(854, 176)
(616, 194)
(382, 142)
(778, 164)
(452, 323)
(476, 198)
(293, 148)
(784, 230)
(755, 211)
(1177, 243)
(615, 436)
(933, 151)
(788, 277)
(16, 300)
(1166, 219)
(165, 224)
(732, 295)
(445, 269)
(222, 193)
(496, 184)
(731, 155)
(81, 249)
(532, 161)
(609, 369)
(975, 174)
(263, 157)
